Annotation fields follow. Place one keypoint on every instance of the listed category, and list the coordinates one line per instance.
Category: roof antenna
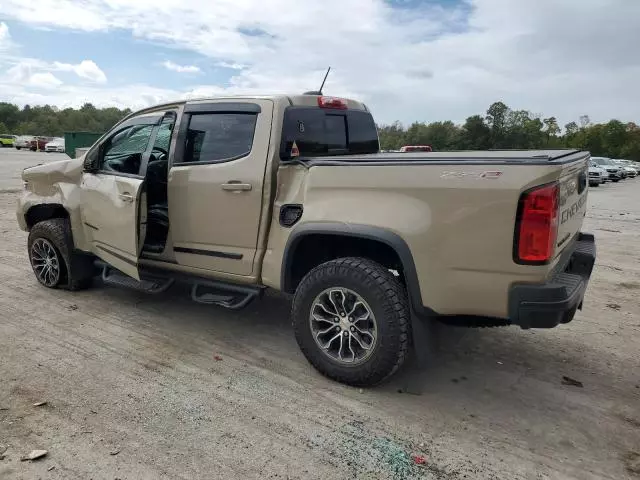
(319, 92)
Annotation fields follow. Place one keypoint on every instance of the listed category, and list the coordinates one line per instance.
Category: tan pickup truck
(234, 195)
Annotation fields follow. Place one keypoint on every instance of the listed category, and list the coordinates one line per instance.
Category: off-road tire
(388, 300)
(77, 269)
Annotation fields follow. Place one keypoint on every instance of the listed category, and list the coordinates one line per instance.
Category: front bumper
(555, 302)
(596, 179)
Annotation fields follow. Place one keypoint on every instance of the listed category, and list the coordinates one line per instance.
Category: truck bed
(493, 157)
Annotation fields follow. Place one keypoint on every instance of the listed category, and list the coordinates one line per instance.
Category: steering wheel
(161, 150)
(155, 156)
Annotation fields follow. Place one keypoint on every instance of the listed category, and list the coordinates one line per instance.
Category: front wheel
(615, 180)
(52, 258)
(351, 320)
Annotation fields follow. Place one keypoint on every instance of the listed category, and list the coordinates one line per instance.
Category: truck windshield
(318, 132)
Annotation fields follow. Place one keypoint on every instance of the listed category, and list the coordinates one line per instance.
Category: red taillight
(538, 225)
(332, 102)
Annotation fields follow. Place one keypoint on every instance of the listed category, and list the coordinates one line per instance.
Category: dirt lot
(134, 389)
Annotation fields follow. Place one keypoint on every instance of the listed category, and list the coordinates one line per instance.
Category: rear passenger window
(318, 132)
(219, 137)
(335, 127)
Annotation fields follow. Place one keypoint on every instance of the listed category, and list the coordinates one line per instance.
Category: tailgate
(572, 202)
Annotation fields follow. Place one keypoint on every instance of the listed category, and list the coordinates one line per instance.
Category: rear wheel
(351, 321)
(53, 260)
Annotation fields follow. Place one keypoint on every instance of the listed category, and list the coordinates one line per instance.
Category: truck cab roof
(297, 100)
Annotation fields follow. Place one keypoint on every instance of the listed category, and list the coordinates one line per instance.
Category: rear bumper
(555, 302)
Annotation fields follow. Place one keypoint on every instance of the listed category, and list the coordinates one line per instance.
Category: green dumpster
(73, 140)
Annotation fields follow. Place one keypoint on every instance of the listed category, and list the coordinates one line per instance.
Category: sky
(408, 60)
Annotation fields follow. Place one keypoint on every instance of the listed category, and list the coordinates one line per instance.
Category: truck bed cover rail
(493, 157)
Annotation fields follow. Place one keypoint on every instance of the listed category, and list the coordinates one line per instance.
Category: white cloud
(44, 80)
(169, 65)
(231, 65)
(563, 58)
(5, 38)
(37, 74)
(86, 69)
(4, 33)
(19, 72)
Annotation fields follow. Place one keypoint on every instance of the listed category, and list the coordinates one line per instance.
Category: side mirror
(91, 162)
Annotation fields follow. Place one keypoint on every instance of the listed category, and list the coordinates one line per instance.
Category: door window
(219, 137)
(163, 137)
(122, 153)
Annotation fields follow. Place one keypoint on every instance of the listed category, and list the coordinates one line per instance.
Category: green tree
(614, 138)
(48, 120)
(475, 134)
(391, 136)
(551, 130)
(9, 116)
(571, 128)
(497, 120)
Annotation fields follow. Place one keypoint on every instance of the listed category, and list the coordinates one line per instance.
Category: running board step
(232, 297)
(114, 277)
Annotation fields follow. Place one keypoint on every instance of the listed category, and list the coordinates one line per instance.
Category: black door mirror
(91, 160)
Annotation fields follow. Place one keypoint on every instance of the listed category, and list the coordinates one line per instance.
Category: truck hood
(63, 170)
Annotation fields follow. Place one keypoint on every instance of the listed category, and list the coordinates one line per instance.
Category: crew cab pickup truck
(235, 195)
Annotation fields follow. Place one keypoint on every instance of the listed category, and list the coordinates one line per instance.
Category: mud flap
(423, 339)
(414, 380)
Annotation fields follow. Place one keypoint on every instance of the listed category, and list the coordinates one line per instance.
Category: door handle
(126, 197)
(235, 186)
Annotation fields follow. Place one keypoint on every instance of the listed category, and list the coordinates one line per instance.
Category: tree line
(504, 128)
(500, 127)
(50, 121)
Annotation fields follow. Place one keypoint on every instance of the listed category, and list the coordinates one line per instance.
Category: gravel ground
(149, 387)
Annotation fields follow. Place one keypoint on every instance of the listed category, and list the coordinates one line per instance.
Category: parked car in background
(38, 143)
(597, 176)
(634, 165)
(55, 145)
(7, 140)
(627, 167)
(23, 141)
(615, 171)
(606, 177)
(416, 148)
